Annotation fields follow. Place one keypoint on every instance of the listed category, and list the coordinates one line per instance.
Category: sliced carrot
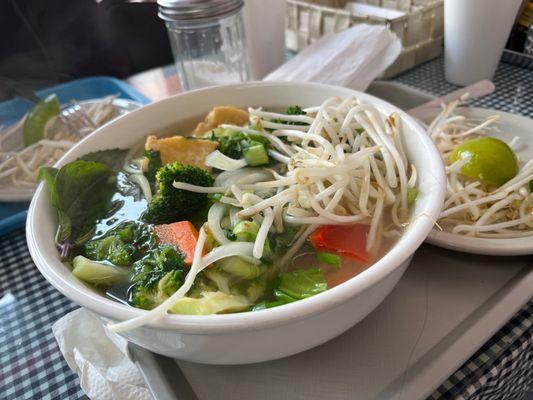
(346, 240)
(181, 234)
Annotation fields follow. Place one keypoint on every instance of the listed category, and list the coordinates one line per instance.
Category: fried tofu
(222, 115)
(181, 149)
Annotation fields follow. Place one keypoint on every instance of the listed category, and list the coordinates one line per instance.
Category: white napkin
(352, 58)
(99, 357)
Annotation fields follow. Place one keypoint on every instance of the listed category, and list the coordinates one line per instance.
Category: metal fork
(77, 119)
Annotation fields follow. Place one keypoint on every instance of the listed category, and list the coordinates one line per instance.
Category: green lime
(38, 117)
(490, 160)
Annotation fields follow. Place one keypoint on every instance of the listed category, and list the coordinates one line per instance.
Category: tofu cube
(181, 149)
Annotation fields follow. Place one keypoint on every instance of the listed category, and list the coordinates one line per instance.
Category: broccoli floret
(110, 248)
(153, 159)
(171, 204)
(148, 298)
(122, 245)
(232, 146)
(156, 277)
(236, 144)
(295, 110)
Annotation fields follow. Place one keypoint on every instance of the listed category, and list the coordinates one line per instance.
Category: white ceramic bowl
(252, 336)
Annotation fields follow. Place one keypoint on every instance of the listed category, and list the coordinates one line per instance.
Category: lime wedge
(36, 120)
(489, 160)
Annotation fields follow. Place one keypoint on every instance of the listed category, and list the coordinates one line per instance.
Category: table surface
(31, 366)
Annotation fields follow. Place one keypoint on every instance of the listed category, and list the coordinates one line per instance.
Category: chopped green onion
(531, 186)
(329, 258)
(256, 154)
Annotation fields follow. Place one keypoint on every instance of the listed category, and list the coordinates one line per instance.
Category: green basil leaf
(113, 158)
(64, 228)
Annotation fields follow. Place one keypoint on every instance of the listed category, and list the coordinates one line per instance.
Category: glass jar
(207, 40)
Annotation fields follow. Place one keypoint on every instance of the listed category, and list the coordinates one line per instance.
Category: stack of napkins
(352, 58)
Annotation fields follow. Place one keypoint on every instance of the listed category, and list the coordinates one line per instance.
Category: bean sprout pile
(472, 208)
(342, 162)
(19, 165)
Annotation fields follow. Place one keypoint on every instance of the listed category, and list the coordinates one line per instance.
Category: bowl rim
(249, 321)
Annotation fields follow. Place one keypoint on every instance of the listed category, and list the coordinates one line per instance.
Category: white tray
(444, 308)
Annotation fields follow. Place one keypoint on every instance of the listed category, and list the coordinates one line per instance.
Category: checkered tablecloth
(31, 366)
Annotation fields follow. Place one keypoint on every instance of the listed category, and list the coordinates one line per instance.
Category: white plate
(14, 194)
(509, 126)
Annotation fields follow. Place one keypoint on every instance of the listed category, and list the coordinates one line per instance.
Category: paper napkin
(352, 58)
(99, 357)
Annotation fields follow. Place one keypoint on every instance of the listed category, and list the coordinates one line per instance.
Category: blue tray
(13, 215)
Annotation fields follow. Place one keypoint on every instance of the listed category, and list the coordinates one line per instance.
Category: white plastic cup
(475, 32)
(264, 25)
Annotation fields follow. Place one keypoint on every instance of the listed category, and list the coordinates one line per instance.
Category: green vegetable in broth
(111, 249)
(293, 110)
(211, 303)
(329, 258)
(98, 273)
(293, 286)
(153, 158)
(303, 283)
(255, 154)
(246, 230)
(156, 277)
(238, 145)
(123, 245)
(171, 204)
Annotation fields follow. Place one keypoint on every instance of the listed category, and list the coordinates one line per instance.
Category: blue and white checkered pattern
(513, 86)
(501, 370)
(31, 366)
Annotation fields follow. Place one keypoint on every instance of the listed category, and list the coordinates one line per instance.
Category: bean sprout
(331, 172)
(472, 207)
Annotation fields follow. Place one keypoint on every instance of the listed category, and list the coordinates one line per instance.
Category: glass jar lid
(179, 10)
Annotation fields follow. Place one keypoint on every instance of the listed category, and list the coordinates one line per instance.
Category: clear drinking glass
(207, 40)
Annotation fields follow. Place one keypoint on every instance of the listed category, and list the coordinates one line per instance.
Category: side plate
(13, 214)
(509, 126)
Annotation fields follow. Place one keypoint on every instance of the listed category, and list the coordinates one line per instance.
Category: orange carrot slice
(181, 234)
